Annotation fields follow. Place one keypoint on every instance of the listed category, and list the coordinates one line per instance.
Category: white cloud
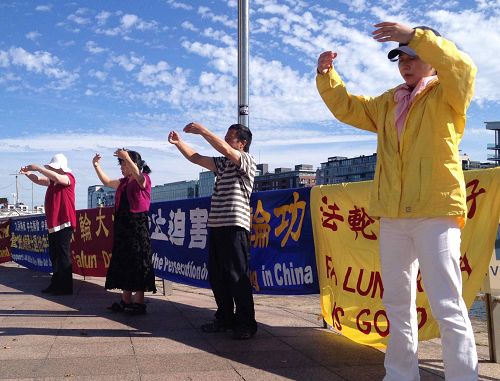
(44, 8)
(66, 43)
(205, 12)
(33, 36)
(100, 75)
(42, 63)
(223, 59)
(60, 143)
(128, 63)
(79, 20)
(102, 17)
(93, 48)
(8, 78)
(357, 6)
(220, 36)
(128, 23)
(179, 5)
(478, 34)
(189, 26)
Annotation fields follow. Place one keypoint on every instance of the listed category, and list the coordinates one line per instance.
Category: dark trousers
(229, 276)
(60, 256)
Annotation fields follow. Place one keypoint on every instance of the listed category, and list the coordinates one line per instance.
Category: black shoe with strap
(119, 306)
(137, 309)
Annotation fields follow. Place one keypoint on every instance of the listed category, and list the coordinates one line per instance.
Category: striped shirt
(230, 204)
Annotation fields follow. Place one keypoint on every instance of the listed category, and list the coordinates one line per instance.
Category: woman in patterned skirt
(131, 268)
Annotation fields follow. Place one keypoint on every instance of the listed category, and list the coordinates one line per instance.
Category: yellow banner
(347, 256)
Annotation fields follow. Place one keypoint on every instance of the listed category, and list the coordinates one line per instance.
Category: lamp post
(243, 60)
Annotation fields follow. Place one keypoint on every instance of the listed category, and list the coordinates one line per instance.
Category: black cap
(404, 48)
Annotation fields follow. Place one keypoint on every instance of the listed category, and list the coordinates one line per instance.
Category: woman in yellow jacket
(418, 191)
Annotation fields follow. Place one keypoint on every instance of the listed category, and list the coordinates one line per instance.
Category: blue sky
(90, 76)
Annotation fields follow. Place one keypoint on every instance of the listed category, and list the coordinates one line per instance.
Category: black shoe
(243, 333)
(136, 309)
(216, 326)
(119, 306)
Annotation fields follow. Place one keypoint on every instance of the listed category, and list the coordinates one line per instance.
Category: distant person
(131, 266)
(419, 189)
(229, 226)
(61, 218)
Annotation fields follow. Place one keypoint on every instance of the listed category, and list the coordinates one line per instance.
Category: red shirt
(60, 205)
(138, 198)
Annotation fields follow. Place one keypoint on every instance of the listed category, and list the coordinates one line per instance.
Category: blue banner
(282, 251)
(179, 237)
(30, 243)
(282, 247)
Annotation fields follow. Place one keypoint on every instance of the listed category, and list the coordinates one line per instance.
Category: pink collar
(404, 96)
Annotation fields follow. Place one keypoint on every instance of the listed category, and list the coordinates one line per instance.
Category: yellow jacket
(420, 176)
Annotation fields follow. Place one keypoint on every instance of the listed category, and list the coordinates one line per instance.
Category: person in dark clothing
(229, 226)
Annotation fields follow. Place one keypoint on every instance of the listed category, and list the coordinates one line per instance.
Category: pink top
(404, 97)
(60, 205)
(138, 198)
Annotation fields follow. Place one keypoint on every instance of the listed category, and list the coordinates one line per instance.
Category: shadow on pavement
(77, 335)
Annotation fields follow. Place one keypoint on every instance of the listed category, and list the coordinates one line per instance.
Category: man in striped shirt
(229, 226)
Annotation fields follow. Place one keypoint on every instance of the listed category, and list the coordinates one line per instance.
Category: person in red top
(61, 218)
(131, 266)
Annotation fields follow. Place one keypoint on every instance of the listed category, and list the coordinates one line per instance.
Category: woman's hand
(325, 61)
(121, 153)
(96, 160)
(174, 138)
(393, 31)
(29, 168)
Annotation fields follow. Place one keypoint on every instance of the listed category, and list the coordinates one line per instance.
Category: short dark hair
(242, 133)
(136, 158)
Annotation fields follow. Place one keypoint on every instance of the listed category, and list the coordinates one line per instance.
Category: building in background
(468, 164)
(495, 157)
(339, 169)
(100, 196)
(19, 209)
(178, 190)
(283, 178)
(206, 183)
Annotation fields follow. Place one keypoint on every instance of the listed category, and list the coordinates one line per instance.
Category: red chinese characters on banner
(5, 241)
(329, 214)
(472, 197)
(359, 220)
(92, 241)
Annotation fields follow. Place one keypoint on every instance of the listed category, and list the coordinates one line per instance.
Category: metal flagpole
(243, 53)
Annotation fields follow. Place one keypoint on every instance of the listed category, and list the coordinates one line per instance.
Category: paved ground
(76, 338)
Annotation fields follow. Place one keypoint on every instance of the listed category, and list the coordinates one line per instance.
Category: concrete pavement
(76, 338)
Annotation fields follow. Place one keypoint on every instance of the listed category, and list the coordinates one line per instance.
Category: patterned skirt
(131, 267)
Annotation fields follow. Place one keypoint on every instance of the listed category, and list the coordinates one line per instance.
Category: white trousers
(434, 245)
